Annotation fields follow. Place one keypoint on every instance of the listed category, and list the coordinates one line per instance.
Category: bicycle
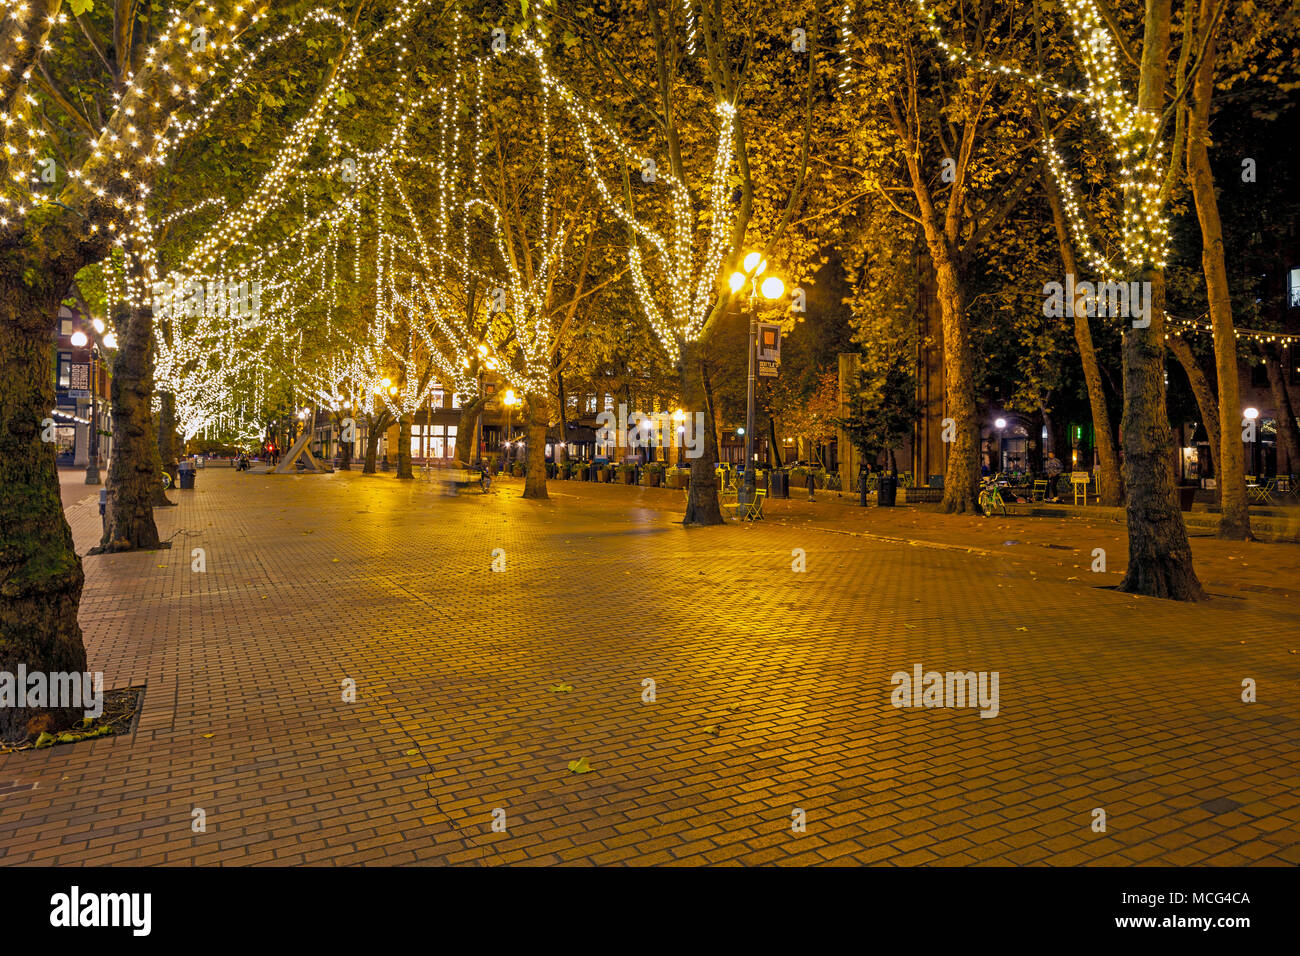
(990, 498)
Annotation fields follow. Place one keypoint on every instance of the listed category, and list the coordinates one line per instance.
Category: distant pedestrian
(1053, 467)
(812, 485)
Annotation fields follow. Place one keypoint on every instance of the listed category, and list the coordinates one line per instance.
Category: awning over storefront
(66, 418)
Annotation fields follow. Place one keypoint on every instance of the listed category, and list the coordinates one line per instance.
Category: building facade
(82, 410)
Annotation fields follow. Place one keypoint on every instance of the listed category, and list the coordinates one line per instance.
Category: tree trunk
(538, 421)
(1204, 393)
(404, 446)
(136, 475)
(169, 443)
(40, 573)
(1231, 472)
(467, 436)
(1288, 435)
(1110, 484)
(702, 497)
(373, 431)
(771, 437)
(710, 416)
(345, 447)
(167, 455)
(1159, 554)
(962, 474)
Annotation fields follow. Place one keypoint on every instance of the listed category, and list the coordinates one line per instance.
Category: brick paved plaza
(772, 688)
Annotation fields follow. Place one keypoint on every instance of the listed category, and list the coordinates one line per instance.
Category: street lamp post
(772, 288)
(748, 479)
(92, 460)
(478, 422)
(510, 400)
(1001, 424)
(1252, 415)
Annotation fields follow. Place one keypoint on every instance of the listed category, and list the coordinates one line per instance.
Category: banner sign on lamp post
(769, 350)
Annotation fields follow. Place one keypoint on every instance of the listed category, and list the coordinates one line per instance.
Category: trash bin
(1186, 496)
(186, 473)
(780, 483)
(887, 491)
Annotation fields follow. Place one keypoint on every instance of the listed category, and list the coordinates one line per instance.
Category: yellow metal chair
(1265, 493)
(1079, 481)
(752, 510)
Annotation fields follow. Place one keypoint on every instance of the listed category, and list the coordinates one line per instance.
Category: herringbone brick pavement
(772, 694)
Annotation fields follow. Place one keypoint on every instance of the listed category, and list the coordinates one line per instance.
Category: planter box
(628, 477)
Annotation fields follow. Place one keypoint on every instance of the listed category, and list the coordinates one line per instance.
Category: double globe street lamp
(108, 341)
(770, 288)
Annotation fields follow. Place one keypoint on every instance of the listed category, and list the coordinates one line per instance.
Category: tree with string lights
(675, 249)
(73, 185)
(1136, 128)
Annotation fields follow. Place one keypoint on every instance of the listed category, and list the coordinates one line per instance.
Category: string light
(1179, 325)
(1133, 133)
(846, 40)
(690, 281)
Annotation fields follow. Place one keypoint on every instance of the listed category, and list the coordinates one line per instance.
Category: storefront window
(433, 441)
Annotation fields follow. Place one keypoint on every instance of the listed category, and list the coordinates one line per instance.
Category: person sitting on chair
(1053, 467)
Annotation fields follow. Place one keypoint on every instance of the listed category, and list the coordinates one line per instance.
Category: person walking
(812, 485)
(1053, 467)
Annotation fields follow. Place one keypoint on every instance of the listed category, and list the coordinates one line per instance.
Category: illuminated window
(433, 441)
